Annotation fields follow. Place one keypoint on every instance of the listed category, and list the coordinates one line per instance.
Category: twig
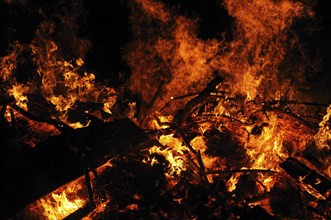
(306, 123)
(201, 170)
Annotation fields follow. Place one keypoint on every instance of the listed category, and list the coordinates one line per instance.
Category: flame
(154, 9)
(174, 60)
(60, 81)
(231, 183)
(323, 136)
(9, 62)
(174, 57)
(198, 144)
(174, 153)
(59, 206)
(266, 150)
(323, 140)
(260, 42)
(178, 61)
(56, 72)
(19, 91)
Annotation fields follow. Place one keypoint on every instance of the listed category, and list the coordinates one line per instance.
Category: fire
(266, 150)
(198, 143)
(59, 206)
(323, 140)
(19, 91)
(174, 154)
(179, 62)
(176, 59)
(175, 56)
(323, 137)
(168, 58)
(61, 83)
(56, 72)
(154, 9)
(260, 44)
(56, 78)
(231, 183)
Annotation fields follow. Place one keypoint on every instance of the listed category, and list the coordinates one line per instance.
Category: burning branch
(183, 114)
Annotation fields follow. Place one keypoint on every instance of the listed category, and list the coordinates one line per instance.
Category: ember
(208, 110)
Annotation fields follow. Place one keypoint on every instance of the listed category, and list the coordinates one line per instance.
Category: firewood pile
(196, 164)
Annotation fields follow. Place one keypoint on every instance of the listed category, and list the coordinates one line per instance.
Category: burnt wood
(304, 174)
(6, 100)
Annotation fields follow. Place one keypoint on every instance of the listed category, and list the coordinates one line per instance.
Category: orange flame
(259, 45)
(175, 59)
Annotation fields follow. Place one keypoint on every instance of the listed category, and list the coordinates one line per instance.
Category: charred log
(58, 160)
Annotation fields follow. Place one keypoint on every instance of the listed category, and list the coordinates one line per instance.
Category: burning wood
(201, 129)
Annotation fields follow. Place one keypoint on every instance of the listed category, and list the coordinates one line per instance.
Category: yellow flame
(324, 133)
(266, 149)
(231, 184)
(19, 92)
(323, 139)
(60, 206)
(174, 153)
(163, 119)
(58, 73)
